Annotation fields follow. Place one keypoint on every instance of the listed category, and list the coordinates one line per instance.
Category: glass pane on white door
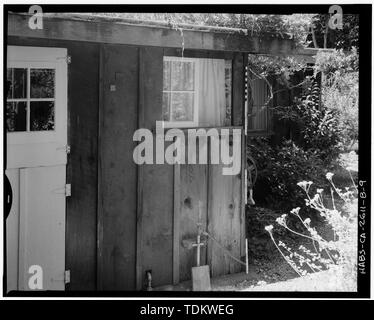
(42, 82)
(16, 115)
(42, 115)
(17, 80)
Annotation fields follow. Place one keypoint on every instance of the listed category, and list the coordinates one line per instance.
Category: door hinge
(66, 148)
(67, 276)
(67, 58)
(68, 190)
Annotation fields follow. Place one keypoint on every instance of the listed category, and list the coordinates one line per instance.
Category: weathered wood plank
(118, 170)
(100, 217)
(120, 33)
(224, 220)
(193, 190)
(176, 223)
(158, 190)
(238, 88)
(83, 109)
(140, 177)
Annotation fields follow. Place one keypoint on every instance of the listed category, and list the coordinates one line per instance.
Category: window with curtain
(196, 92)
(259, 116)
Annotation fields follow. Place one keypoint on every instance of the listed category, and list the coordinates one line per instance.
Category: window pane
(182, 106)
(16, 116)
(17, 81)
(167, 70)
(42, 115)
(42, 83)
(182, 76)
(166, 106)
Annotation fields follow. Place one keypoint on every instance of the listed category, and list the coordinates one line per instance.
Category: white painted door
(36, 123)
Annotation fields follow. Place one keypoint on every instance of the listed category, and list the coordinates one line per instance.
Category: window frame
(184, 124)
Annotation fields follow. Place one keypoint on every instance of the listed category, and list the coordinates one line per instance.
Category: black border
(365, 27)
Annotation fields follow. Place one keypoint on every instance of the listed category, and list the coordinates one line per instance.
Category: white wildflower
(269, 228)
(329, 175)
(295, 211)
(302, 184)
(307, 221)
(281, 220)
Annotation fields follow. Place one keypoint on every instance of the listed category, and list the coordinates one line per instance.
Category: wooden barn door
(220, 198)
(117, 171)
(36, 123)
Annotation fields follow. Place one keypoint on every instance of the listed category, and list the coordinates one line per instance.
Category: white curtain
(211, 92)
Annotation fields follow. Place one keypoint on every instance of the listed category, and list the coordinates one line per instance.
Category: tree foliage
(340, 89)
(326, 37)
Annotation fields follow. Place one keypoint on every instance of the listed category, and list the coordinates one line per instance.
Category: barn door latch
(67, 276)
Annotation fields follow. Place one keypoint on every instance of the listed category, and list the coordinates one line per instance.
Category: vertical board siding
(117, 175)
(157, 200)
(81, 214)
(135, 212)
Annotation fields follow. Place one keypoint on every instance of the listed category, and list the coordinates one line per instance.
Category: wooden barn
(82, 209)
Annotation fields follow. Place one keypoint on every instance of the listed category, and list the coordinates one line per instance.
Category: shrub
(338, 254)
(321, 133)
(313, 126)
(340, 89)
(279, 169)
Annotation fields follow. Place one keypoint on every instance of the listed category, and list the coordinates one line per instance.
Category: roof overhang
(115, 32)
